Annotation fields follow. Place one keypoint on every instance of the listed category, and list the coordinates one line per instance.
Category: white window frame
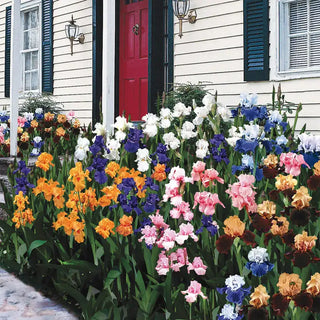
(28, 6)
(279, 54)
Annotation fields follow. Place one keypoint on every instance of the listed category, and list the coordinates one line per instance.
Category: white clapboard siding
(211, 52)
(72, 74)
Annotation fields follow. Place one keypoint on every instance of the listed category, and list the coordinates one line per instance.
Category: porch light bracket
(182, 12)
(72, 33)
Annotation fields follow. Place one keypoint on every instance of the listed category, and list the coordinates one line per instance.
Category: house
(132, 52)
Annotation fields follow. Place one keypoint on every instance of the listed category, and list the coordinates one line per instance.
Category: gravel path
(19, 301)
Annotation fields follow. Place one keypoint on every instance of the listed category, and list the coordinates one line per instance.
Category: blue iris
(259, 269)
(311, 158)
(234, 296)
(253, 113)
(245, 146)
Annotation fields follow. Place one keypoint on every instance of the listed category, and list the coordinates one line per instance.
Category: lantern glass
(72, 31)
(180, 8)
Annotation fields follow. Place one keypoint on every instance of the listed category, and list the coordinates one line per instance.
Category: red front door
(133, 51)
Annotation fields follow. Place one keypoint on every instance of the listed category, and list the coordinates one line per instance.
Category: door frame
(97, 59)
(155, 53)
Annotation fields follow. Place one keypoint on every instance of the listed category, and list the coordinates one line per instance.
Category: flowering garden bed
(200, 213)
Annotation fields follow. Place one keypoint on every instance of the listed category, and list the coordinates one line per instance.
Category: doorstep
(19, 301)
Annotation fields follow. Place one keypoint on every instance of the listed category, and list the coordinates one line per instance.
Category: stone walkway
(19, 301)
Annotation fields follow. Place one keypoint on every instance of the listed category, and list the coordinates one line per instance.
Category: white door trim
(108, 63)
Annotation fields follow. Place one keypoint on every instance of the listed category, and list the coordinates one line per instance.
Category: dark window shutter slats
(256, 40)
(7, 53)
(47, 46)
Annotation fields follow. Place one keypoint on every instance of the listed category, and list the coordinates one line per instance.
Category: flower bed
(200, 213)
(39, 131)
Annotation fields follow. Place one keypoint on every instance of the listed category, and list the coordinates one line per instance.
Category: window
(36, 47)
(299, 36)
(31, 50)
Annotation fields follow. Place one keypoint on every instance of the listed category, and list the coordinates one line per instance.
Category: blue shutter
(47, 46)
(256, 40)
(7, 53)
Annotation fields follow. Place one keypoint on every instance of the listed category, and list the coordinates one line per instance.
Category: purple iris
(208, 224)
(132, 143)
(22, 182)
(127, 185)
(150, 184)
(218, 152)
(217, 140)
(99, 165)
(160, 156)
(272, 147)
(220, 155)
(151, 203)
(129, 204)
(145, 222)
(22, 168)
(97, 146)
(22, 185)
(4, 118)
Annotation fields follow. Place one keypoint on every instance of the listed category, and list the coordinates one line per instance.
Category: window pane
(34, 39)
(26, 18)
(298, 52)
(315, 15)
(34, 81)
(34, 19)
(27, 61)
(298, 17)
(26, 40)
(27, 81)
(35, 60)
(315, 50)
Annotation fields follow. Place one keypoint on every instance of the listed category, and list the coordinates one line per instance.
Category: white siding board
(209, 45)
(66, 83)
(203, 68)
(210, 34)
(209, 56)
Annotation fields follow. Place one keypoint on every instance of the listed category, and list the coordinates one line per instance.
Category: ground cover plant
(201, 212)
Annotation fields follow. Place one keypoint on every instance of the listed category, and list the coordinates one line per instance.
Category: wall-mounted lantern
(181, 9)
(72, 33)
